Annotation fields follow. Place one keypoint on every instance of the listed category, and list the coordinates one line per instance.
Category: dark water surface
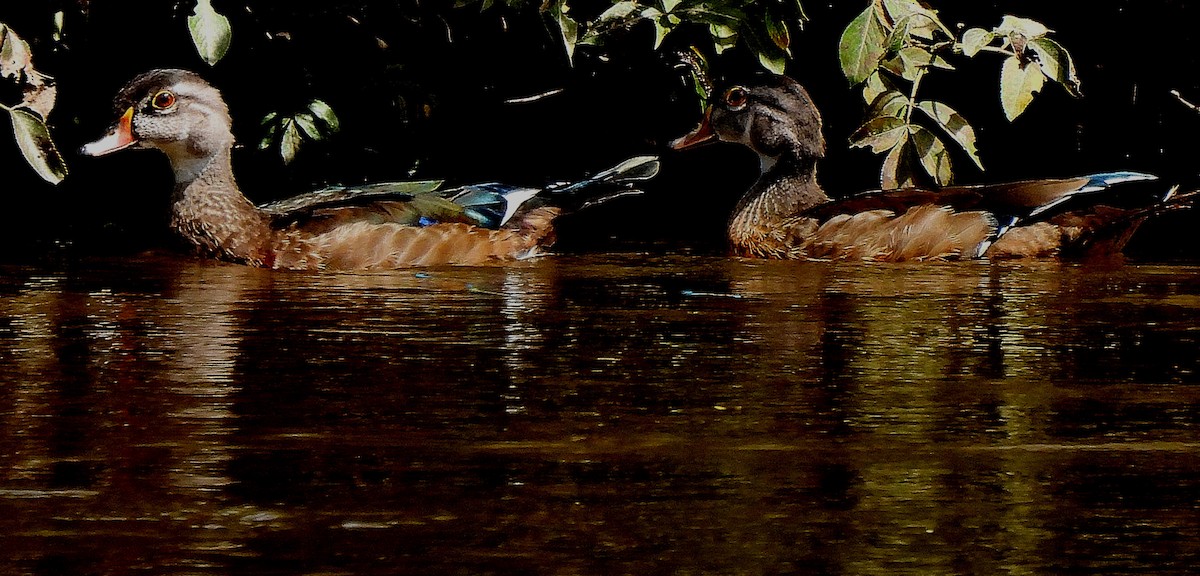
(600, 415)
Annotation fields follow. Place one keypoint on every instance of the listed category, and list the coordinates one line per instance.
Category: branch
(1189, 105)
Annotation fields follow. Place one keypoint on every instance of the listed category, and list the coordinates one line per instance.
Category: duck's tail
(495, 205)
(620, 180)
(1105, 230)
(1091, 185)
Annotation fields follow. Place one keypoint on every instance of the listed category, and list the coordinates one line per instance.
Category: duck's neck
(786, 187)
(210, 212)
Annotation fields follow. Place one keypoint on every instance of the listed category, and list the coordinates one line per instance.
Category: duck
(381, 226)
(786, 214)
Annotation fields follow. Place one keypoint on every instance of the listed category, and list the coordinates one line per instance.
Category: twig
(1190, 106)
(535, 97)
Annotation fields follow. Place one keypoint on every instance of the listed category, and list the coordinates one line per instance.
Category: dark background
(420, 89)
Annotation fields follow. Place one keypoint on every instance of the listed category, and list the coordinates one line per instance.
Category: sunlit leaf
(976, 39)
(38, 90)
(616, 12)
(777, 30)
(910, 62)
(897, 170)
(290, 142)
(1056, 62)
(880, 134)
(955, 125)
(919, 20)
(890, 103)
(568, 28)
(1028, 28)
(211, 32)
(33, 138)
(308, 126)
(932, 154)
(660, 32)
(268, 139)
(862, 46)
(721, 31)
(669, 5)
(59, 22)
(14, 53)
(776, 63)
(325, 114)
(875, 86)
(1017, 86)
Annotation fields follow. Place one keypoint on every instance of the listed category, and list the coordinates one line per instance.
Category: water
(600, 415)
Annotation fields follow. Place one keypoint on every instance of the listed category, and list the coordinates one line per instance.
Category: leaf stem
(996, 50)
(912, 96)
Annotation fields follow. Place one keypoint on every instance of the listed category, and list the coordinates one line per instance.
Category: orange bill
(118, 138)
(703, 134)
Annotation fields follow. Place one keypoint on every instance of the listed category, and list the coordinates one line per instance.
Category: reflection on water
(615, 414)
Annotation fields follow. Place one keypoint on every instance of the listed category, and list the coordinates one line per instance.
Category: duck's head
(775, 118)
(175, 111)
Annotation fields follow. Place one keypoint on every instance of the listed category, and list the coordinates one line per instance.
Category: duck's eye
(162, 100)
(736, 97)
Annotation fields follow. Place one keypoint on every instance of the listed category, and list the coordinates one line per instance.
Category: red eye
(163, 100)
(736, 97)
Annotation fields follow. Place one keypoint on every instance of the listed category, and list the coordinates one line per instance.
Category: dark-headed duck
(787, 215)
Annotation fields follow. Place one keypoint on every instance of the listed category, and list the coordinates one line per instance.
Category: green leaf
(875, 87)
(211, 32)
(325, 114)
(721, 31)
(1056, 62)
(660, 32)
(1017, 86)
(974, 40)
(33, 138)
(568, 28)
(955, 125)
(308, 126)
(1028, 28)
(724, 37)
(14, 53)
(669, 5)
(891, 103)
(880, 134)
(776, 63)
(269, 138)
(619, 11)
(862, 46)
(897, 171)
(291, 141)
(777, 30)
(910, 62)
(918, 20)
(932, 154)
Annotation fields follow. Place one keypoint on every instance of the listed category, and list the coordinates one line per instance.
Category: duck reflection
(119, 412)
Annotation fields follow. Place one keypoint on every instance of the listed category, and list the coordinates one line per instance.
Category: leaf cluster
(889, 49)
(315, 123)
(28, 117)
(763, 27)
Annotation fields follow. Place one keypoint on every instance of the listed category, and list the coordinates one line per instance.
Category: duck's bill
(119, 137)
(703, 134)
